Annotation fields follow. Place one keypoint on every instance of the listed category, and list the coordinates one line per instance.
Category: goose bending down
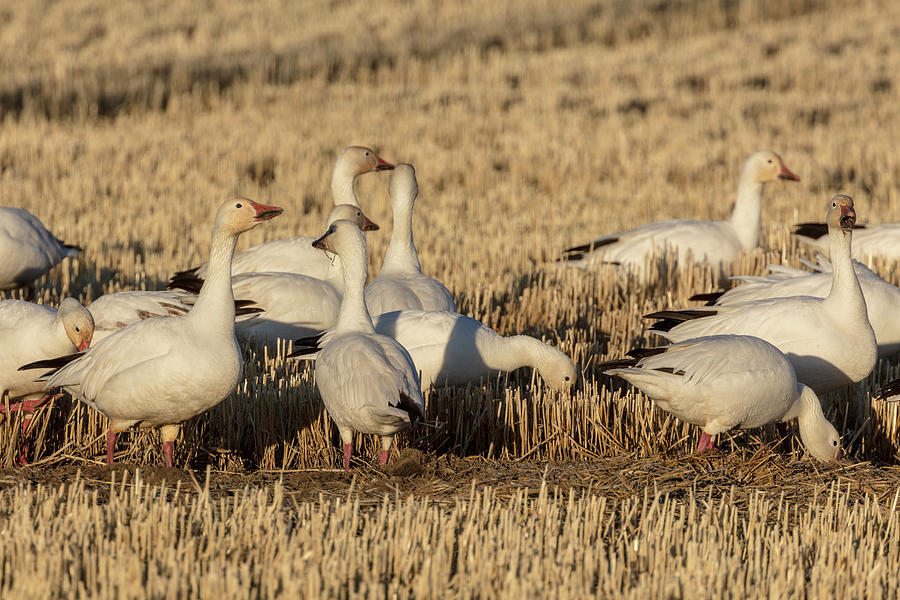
(453, 349)
(296, 255)
(882, 298)
(401, 284)
(829, 341)
(881, 240)
(368, 381)
(725, 381)
(27, 248)
(718, 242)
(30, 332)
(165, 370)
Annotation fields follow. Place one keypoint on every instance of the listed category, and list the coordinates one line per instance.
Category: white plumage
(28, 249)
(726, 381)
(718, 242)
(829, 341)
(400, 284)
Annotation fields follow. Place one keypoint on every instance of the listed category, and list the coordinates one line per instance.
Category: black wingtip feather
(302, 352)
(51, 363)
(312, 340)
(622, 363)
(889, 390)
(710, 298)
(579, 252)
(640, 353)
(183, 280)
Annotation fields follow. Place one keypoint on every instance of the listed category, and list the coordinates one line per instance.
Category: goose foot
(706, 442)
(110, 446)
(383, 457)
(348, 452)
(29, 405)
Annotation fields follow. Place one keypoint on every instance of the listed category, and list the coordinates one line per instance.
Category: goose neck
(845, 289)
(215, 303)
(746, 219)
(401, 254)
(354, 315)
(343, 187)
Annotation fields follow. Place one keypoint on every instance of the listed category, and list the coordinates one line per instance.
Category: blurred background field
(533, 126)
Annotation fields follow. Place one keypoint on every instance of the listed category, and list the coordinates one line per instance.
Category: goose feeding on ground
(829, 341)
(718, 242)
(726, 381)
(165, 370)
(453, 349)
(400, 284)
(296, 255)
(882, 240)
(28, 249)
(368, 381)
(882, 298)
(30, 332)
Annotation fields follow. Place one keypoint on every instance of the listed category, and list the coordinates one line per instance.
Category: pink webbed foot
(110, 446)
(348, 452)
(383, 457)
(29, 405)
(706, 442)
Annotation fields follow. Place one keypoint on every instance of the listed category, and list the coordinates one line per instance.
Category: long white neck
(342, 186)
(215, 304)
(354, 316)
(401, 255)
(512, 352)
(845, 295)
(746, 219)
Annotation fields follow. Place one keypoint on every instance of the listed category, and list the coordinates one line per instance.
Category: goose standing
(401, 284)
(28, 249)
(869, 241)
(453, 349)
(829, 341)
(725, 381)
(165, 370)
(368, 381)
(718, 242)
(296, 255)
(882, 298)
(30, 332)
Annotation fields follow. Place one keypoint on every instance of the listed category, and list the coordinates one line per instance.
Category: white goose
(727, 381)
(27, 248)
(718, 242)
(368, 382)
(882, 298)
(165, 370)
(453, 349)
(829, 341)
(869, 241)
(296, 255)
(401, 284)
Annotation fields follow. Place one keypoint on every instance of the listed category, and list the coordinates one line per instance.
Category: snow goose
(882, 298)
(718, 242)
(165, 370)
(296, 255)
(401, 284)
(27, 248)
(881, 240)
(368, 381)
(725, 381)
(829, 341)
(453, 349)
(30, 332)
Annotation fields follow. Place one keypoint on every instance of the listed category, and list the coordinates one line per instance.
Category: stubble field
(532, 127)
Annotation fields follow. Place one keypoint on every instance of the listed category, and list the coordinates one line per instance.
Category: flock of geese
(758, 353)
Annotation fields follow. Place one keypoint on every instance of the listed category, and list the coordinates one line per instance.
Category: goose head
(841, 213)
(356, 160)
(351, 213)
(819, 436)
(342, 237)
(240, 215)
(403, 188)
(77, 322)
(557, 370)
(767, 166)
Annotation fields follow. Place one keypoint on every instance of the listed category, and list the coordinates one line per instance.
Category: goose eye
(833, 204)
(238, 205)
(567, 378)
(770, 161)
(367, 154)
(77, 330)
(835, 442)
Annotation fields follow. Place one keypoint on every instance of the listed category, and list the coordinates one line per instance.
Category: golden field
(532, 127)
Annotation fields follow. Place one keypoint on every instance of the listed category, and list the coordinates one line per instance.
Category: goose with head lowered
(368, 381)
(718, 242)
(165, 370)
(726, 381)
(296, 255)
(28, 249)
(400, 284)
(829, 341)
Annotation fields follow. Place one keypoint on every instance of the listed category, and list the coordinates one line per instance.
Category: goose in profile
(296, 255)
(28, 249)
(829, 341)
(726, 381)
(400, 284)
(718, 242)
(882, 298)
(165, 370)
(368, 381)
(871, 240)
